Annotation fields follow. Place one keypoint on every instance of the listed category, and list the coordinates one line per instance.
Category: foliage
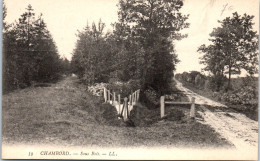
(193, 77)
(29, 52)
(139, 48)
(246, 94)
(199, 80)
(243, 96)
(93, 54)
(234, 47)
(124, 88)
(153, 25)
(150, 98)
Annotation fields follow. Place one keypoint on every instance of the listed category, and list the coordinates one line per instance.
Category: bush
(97, 89)
(244, 96)
(150, 98)
(124, 88)
(244, 100)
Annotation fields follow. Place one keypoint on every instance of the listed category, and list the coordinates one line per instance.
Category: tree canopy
(140, 46)
(233, 47)
(29, 52)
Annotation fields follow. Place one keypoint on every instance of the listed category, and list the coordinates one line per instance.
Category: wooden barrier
(130, 99)
(114, 98)
(124, 111)
(192, 109)
(163, 102)
(126, 108)
(105, 94)
(137, 93)
(108, 93)
(119, 104)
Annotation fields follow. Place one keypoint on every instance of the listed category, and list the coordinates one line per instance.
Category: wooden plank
(138, 93)
(126, 108)
(162, 106)
(176, 103)
(192, 109)
(119, 104)
(130, 99)
(114, 98)
(108, 95)
(133, 97)
(105, 94)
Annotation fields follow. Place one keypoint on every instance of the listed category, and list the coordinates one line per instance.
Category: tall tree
(92, 55)
(234, 47)
(29, 52)
(154, 24)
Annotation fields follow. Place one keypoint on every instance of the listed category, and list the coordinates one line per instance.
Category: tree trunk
(229, 79)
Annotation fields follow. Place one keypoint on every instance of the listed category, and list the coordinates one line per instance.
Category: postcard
(130, 79)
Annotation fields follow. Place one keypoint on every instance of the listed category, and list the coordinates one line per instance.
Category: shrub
(244, 96)
(151, 98)
(124, 88)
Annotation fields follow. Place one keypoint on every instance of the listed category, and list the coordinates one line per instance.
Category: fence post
(108, 93)
(130, 99)
(192, 109)
(126, 108)
(138, 92)
(133, 99)
(162, 106)
(114, 98)
(119, 104)
(105, 94)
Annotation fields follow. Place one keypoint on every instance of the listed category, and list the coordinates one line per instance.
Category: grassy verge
(66, 114)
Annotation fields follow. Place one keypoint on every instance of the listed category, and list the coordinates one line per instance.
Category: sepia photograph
(130, 79)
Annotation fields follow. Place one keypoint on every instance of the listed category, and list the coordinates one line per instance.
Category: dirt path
(198, 98)
(235, 127)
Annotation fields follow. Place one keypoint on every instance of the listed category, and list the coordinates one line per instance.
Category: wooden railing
(127, 103)
(163, 102)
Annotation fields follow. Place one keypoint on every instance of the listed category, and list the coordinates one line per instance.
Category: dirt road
(198, 98)
(235, 127)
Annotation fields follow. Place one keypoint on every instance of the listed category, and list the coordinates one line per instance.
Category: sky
(65, 17)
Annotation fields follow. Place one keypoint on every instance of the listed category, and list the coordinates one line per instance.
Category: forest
(29, 52)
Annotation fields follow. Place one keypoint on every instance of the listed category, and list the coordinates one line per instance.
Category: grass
(66, 114)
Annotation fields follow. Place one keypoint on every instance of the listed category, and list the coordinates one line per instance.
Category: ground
(64, 113)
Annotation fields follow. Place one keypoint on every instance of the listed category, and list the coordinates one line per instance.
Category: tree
(93, 54)
(29, 52)
(153, 25)
(234, 47)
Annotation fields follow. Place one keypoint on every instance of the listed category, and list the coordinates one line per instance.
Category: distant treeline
(29, 52)
(140, 47)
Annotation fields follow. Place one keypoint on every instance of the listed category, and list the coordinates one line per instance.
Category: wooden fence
(127, 103)
(163, 102)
